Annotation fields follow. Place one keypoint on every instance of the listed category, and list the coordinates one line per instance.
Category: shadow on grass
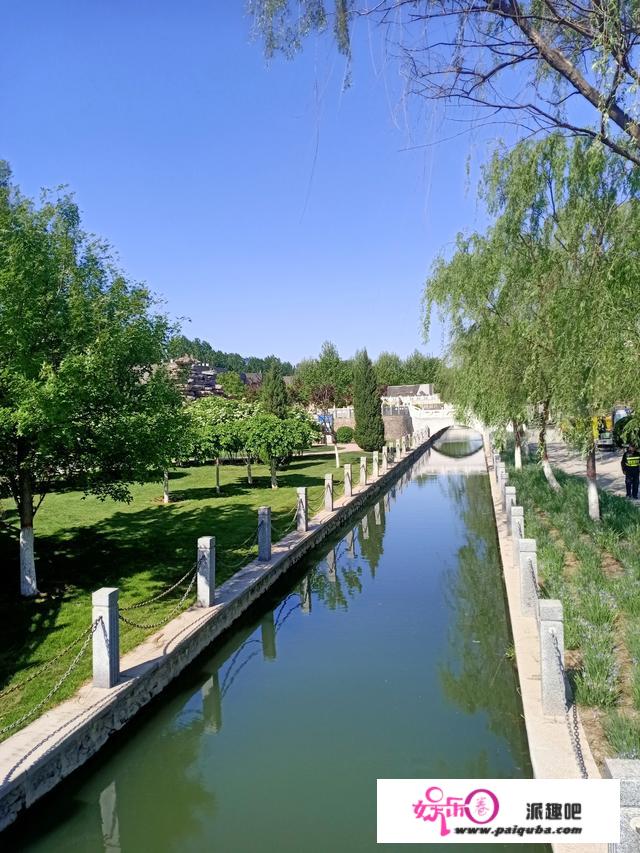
(135, 551)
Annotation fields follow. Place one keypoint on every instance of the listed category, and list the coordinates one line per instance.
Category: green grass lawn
(142, 547)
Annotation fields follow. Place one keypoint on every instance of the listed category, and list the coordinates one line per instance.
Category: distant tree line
(327, 381)
(180, 345)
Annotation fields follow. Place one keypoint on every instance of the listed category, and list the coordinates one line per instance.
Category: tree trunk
(592, 486)
(28, 584)
(165, 487)
(249, 474)
(274, 479)
(335, 447)
(217, 476)
(517, 452)
(554, 485)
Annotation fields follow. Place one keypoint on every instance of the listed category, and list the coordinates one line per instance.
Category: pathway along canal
(386, 656)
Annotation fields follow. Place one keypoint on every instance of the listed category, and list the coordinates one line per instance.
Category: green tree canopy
(369, 431)
(232, 384)
(273, 395)
(82, 395)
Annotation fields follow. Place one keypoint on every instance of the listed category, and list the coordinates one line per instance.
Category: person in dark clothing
(631, 469)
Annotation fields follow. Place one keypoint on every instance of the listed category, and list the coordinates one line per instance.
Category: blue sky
(263, 202)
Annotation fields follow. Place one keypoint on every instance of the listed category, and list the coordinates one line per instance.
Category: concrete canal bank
(557, 750)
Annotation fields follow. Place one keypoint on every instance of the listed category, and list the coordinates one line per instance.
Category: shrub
(344, 434)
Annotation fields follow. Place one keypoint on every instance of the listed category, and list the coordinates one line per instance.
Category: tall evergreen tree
(369, 432)
(274, 393)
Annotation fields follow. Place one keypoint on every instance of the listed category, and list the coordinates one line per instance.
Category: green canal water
(387, 655)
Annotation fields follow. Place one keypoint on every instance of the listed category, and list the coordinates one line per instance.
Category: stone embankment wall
(395, 426)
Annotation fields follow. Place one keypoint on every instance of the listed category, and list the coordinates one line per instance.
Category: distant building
(200, 379)
(402, 395)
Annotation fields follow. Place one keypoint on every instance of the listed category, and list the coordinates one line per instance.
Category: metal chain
(57, 685)
(162, 594)
(46, 665)
(167, 617)
(290, 524)
(571, 717)
(248, 543)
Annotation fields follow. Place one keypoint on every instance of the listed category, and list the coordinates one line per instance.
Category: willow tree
(82, 399)
(581, 203)
(526, 60)
(480, 290)
(546, 294)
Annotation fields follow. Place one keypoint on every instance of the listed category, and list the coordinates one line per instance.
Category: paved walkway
(608, 470)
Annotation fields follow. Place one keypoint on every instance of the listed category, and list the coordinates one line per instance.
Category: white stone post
(403, 445)
(363, 470)
(504, 482)
(328, 492)
(517, 525)
(509, 501)
(498, 469)
(302, 510)
(528, 555)
(348, 488)
(264, 533)
(385, 459)
(106, 637)
(397, 453)
(375, 465)
(206, 568)
(552, 677)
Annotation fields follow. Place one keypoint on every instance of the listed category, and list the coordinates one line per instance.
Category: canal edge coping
(550, 748)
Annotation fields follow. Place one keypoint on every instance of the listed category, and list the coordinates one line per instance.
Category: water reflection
(386, 658)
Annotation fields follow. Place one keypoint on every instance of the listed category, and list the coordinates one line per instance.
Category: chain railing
(281, 532)
(170, 614)
(86, 636)
(162, 594)
(571, 716)
(248, 544)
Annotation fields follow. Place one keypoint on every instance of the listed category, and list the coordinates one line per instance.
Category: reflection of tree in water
(482, 678)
